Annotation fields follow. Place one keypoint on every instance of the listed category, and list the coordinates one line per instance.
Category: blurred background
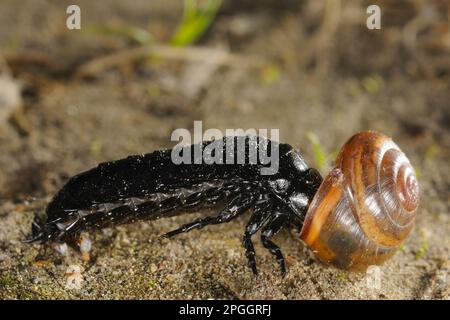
(137, 70)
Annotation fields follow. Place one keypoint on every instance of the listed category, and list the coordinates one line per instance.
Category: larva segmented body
(152, 186)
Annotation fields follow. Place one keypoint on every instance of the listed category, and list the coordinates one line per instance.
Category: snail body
(366, 205)
(357, 216)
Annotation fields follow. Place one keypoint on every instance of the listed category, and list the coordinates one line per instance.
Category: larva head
(366, 205)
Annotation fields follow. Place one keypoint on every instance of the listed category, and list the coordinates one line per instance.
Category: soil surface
(305, 68)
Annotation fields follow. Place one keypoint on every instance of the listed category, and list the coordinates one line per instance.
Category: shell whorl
(365, 207)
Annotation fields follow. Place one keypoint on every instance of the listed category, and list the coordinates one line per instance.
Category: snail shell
(366, 205)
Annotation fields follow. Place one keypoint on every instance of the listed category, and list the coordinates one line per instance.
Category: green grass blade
(196, 19)
(319, 154)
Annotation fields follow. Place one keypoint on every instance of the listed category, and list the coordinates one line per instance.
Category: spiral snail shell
(365, 207)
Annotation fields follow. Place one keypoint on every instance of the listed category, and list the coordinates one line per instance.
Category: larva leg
(236, 207)
(274, 225)
(261, 212)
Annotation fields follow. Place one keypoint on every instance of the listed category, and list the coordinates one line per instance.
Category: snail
(366, 205)
(353, 218)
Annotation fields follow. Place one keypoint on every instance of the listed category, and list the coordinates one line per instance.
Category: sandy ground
(66, 125)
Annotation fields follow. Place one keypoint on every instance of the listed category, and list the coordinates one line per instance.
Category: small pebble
(153, 268)
(62, 248)
(85, 248)
(74, 277)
